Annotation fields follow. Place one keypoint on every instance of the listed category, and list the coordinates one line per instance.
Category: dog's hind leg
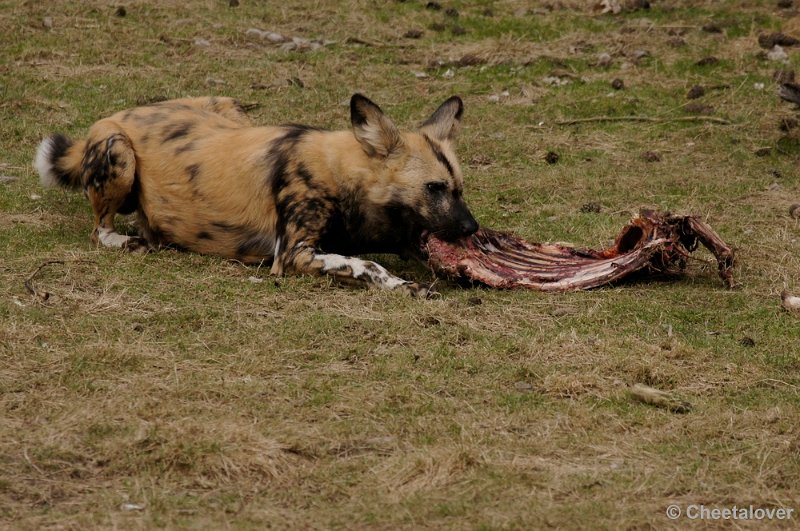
(109, 168)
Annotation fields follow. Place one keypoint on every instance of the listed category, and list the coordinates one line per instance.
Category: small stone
(523, 386)
(120, 11)
(275, 38)
(651, 156)
(458, 30)
(254, 33)
(551, 157)
(449, 74)
(794, 211)
(789, 302)
(604, 60)
(695, 92)
(35, 197)
(413, 34)
(555, 81)
(777, 54)
(747, 341)
(47, 22)
(255, 280)
(203, 43)
(618, 84)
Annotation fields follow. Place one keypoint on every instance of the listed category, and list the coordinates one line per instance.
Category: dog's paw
(136, 245)
(420, 292)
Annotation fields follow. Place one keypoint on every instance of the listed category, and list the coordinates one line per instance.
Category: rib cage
(657, 242)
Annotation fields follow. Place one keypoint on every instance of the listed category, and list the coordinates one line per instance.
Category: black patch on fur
(183, 149)
(255, 244)
(304, 174)
(93, 165)
(357, 117)
(176, 131)
(239, 107)
(309, 212)
(204, 235)
(131, 202)
(224, 227)
(279, 154)
(439, 155)
(193, 171)
(406, 222)
(443, 110)
(151, 118)
(59, 145)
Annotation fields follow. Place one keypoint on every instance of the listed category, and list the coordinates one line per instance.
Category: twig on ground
(44, 295)
(33, 465)
(711, 119)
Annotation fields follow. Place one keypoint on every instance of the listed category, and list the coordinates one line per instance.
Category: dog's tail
(58, 161)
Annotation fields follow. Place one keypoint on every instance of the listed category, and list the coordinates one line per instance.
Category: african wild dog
(200, 177)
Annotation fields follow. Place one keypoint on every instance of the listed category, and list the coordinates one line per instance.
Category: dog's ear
(443, 123)
(376, 132)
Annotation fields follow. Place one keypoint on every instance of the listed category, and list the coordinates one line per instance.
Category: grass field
(182, 391)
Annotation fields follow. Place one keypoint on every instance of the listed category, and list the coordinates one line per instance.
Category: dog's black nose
(469, 227)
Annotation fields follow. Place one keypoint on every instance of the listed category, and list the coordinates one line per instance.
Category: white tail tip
(44, 164)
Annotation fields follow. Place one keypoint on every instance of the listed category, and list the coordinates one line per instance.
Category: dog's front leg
(351, 270)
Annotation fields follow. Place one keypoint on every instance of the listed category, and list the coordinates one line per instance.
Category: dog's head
(421, 181)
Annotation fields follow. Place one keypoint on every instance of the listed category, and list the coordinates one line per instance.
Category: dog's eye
(436, 187)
